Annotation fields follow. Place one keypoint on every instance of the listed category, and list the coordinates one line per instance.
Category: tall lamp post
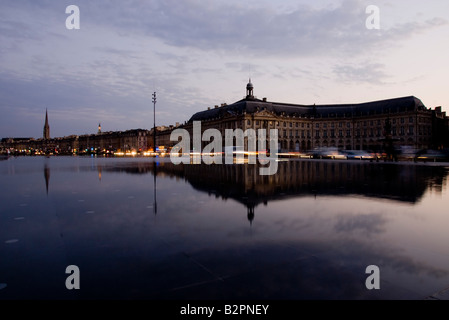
(154, 144)
(154, 121)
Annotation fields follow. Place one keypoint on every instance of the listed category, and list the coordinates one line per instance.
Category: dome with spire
(249, 89)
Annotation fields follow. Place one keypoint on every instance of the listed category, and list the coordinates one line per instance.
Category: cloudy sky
(199, 53)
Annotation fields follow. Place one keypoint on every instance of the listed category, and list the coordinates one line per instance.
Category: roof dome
(249, 85)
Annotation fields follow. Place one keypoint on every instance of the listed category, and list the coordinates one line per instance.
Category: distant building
(100, 143)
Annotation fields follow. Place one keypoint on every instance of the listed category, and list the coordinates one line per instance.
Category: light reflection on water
(137, 228)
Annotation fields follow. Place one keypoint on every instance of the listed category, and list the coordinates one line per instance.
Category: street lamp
(154, 123)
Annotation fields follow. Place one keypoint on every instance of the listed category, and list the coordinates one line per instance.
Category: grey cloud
(364, 72)
(260, 31)
(123, 53)
(18, 30)
(232, 28)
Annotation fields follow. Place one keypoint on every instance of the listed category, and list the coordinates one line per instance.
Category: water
(143, 228)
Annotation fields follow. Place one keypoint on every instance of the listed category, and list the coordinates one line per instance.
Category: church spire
(46, 127)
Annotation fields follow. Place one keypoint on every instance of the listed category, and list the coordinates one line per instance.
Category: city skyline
(198, 55)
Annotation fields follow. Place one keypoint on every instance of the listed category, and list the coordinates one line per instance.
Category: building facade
(365, 126)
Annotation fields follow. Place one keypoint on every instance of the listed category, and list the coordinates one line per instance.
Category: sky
(196, 54)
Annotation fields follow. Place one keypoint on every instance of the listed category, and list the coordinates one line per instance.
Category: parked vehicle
(406, 153)
(358, 154)
(328, 153)
(431, 155)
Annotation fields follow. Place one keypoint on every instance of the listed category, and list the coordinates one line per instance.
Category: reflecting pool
(144, 228)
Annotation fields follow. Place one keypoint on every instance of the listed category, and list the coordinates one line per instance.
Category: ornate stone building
(362, 126)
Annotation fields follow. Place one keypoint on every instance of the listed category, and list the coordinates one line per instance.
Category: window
(325, 133)
(348, 133)
(332, 133)
(410, 120)
(317, 125)
(340, 133)
(410, 130)
(257, 122)
(248, 122)
(290, 124)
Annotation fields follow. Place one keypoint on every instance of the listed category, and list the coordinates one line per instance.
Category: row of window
(359, 132)
(340, 124)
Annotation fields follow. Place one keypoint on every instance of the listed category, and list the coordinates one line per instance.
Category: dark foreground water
(139, 228)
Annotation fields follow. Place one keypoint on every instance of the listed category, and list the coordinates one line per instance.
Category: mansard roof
(252, 105)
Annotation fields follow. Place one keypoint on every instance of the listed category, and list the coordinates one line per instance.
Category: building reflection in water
(46, 176)
(242, 182)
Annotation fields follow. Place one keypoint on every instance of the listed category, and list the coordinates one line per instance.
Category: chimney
(216, 106)
(264, 99)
